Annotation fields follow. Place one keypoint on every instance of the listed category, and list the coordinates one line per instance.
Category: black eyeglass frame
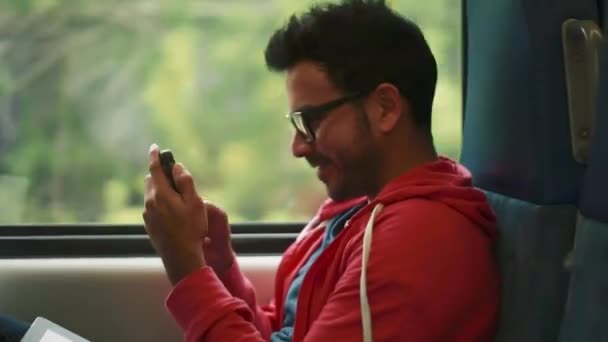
(301, 119)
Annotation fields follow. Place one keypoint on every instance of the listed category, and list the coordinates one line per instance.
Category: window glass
(87, 86)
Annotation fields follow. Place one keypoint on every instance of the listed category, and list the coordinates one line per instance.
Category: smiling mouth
(314, 164)
(316, 161)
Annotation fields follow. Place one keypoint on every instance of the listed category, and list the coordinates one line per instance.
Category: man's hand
(217, 246)
(175, 222)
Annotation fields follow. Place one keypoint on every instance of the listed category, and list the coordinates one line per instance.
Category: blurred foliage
(87, 86)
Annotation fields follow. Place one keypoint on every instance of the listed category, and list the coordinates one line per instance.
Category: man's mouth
(316, 162)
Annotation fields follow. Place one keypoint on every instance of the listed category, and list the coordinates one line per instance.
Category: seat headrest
(516, 127)
(594, 196)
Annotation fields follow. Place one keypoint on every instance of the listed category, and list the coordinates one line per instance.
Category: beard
(358, 175)
(356, 167)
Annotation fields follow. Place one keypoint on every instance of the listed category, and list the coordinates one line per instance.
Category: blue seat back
(517, 145)
(586, 316)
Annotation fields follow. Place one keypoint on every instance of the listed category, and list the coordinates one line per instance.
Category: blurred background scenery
(86, 86)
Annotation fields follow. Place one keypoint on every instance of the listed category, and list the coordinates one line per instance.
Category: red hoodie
(431, 273)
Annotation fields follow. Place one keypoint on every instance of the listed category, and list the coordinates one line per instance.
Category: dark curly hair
(360, 44)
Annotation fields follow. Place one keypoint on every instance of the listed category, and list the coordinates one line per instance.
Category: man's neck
(399, 162)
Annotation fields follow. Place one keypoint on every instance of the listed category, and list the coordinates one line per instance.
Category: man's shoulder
(418, 209)
(418, 220)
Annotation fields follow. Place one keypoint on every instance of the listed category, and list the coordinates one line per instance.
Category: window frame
(129, 240)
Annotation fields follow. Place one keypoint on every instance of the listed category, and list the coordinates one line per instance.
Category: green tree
(86, 86)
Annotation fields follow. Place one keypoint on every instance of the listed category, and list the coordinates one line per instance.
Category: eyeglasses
(303, 118)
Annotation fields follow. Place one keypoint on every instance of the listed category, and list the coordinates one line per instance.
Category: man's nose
(299, 146)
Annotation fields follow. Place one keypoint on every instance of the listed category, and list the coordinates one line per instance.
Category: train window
(87, 86)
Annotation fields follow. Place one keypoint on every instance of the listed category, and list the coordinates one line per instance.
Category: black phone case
(167, 161)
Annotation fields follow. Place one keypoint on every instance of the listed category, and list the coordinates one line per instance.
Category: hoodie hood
(442, 180)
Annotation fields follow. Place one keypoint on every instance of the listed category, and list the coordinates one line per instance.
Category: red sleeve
(206, 311)
(239, 286)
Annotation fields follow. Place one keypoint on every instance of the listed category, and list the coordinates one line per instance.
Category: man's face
(343, 151)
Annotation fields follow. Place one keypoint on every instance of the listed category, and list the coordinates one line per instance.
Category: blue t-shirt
(333, 228)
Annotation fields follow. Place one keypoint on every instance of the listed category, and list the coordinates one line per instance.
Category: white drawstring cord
(366, 317)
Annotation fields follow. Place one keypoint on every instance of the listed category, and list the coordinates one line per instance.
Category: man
(402, 250)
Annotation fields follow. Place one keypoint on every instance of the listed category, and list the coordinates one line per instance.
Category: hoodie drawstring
(366, 317)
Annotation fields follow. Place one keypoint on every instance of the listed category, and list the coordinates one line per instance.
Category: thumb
(184, 182)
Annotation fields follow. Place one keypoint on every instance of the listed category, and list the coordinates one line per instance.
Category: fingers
(150, 201)
(212, 208)
(184, 182)
(160, 182)
(148, 187)
(149, 193)
(215, 214)
(185, 186)
(158, 191)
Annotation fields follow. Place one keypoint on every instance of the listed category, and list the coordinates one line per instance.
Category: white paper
(51, 336)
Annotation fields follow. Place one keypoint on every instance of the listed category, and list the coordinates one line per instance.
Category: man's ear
(388, 107)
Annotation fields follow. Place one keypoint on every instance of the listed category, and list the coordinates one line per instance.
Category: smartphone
(167, 161)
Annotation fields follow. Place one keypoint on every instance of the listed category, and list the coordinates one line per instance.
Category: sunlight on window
(86, 87)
